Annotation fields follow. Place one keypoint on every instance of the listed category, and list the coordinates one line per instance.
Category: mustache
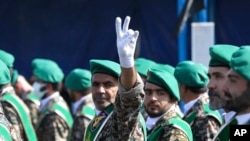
(100, 95)
(227, 94)
(213, 93)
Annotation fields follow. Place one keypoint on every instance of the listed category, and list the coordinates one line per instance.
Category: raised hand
(126, 42)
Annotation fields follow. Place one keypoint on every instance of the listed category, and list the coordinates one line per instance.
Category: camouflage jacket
(124, 124)
(169, 132)
(4, 122)
(51, 125)
(81, 120)
(204, 126)
(33, 105)
(13, 116)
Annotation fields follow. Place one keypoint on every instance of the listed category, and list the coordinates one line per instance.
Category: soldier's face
(218, 76)
(157, 100)
(237, 92)
(104, 89)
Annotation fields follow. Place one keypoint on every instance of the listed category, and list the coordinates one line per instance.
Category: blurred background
(72, 32)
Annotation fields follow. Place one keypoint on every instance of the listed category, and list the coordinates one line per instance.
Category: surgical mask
(38, 89)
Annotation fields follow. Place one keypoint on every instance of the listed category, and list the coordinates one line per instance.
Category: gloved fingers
(135, 36)
(126, 24)
(118, 29)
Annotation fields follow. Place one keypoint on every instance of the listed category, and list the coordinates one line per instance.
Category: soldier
(117, 92)
(237, 91)
(25, 91)
(161, 95)
(78, 84)
(219, 65)
(55, 120)
(193, 79)
(14, 108)
(7, 131)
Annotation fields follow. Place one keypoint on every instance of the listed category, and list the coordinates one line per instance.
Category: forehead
(101, 77)
(222, 70)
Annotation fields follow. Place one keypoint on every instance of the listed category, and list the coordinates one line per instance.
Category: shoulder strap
(143, 126)
(63, 111)
(5, 133)
(213, 113)
(24, 116)
(88, 111)
(34, 98)
(184, 126)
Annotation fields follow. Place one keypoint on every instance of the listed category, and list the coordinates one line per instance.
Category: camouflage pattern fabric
(124, 124)
(81, 121)
(13, 117)
(3, 120)
(204, 127)
(51, 126)
(169, 133)
(34, 109)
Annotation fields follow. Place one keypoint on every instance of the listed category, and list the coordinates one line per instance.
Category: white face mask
(37, 89)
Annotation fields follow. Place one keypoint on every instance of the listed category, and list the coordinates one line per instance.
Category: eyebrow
(233, 76)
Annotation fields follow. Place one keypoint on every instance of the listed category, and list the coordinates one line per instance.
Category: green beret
(40, 62)
(7, 58)
(191, 74)
(220, 54)
(14, 77)
(4, 74)
(240, 62)
(49, 73)
(105, 66)
(165, 80)
(78, 79)
(142, 65)
(164, 67)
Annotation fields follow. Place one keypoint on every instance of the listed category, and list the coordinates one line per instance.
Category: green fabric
(190, 117)
(78, 79)
(224, 134)
(5, 133)
(91, 131)
(27, 125)
(240, 62)
(88, 111)
(105, 66)
(4, 74)
(191, 74)
(185, 127)
(213, 113)
(33, 97)
(40, 62)
(14, 77)
(49, 73)
(165, 80)
(221, 54)
(62, 111)
(176, 122)
(144, 127)
(7, 58)
(142, 65)
(164, 67)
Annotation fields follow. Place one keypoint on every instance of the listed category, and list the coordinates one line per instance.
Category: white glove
(126, 42)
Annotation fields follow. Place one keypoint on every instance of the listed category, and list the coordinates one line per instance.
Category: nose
(101, 89)
(210, 84)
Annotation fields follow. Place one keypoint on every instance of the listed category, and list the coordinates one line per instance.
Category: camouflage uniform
(52, 126)
(33, 105)
(4, 122)
(13, 116)
(81, 120)
(204, 125)
(123, 124)
(170, 132)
